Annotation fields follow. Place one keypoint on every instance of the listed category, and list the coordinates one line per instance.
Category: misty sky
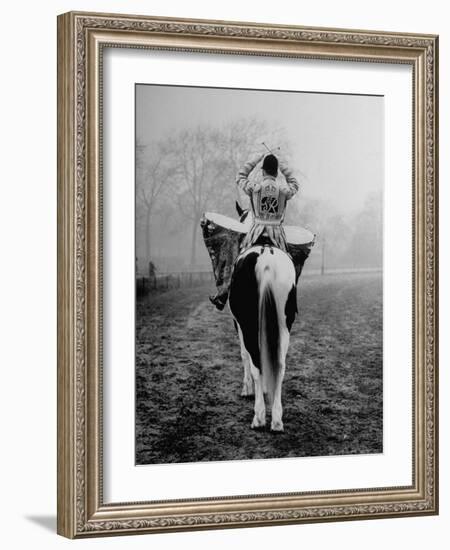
(336, 140)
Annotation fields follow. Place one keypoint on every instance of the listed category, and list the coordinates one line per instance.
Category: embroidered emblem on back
(269, 205)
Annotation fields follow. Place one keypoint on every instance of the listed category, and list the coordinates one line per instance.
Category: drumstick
(277, 149)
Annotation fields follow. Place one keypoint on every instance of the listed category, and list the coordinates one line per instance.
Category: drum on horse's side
(299, 244)
(223, 237)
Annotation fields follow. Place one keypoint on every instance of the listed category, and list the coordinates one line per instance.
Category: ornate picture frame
(82, 38)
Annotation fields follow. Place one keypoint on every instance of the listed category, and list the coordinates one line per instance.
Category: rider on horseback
(268, 203)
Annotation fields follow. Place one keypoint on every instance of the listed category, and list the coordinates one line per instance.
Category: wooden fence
(187, 279)
(168, 281)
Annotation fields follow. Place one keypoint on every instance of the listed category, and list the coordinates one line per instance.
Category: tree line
(192, 171)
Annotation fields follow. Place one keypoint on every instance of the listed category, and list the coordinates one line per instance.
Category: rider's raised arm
(242, 180)
(290, 179)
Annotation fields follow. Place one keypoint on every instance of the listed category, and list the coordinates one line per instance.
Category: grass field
(189, 376)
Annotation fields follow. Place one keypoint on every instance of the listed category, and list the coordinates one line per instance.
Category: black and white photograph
(259, 282)
(224, 251)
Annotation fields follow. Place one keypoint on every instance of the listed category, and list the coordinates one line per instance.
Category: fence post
(322, 267)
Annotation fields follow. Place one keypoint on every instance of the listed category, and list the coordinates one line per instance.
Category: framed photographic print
(247, 274)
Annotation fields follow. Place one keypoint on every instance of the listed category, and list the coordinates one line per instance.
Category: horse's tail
(269, 335)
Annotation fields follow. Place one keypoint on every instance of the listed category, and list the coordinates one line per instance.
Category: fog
(191, 141)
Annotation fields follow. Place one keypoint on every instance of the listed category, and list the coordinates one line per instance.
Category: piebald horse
(263, 302)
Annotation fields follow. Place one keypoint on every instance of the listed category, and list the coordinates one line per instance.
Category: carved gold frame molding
(81, 37)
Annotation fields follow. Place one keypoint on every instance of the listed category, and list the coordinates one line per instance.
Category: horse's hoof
(277, 427)
(258, 424)
(259, 428)
(248, 395)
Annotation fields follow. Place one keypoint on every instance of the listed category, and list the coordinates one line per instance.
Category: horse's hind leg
(259, 420)
(247, 384)
(277, 408)
(253, 385)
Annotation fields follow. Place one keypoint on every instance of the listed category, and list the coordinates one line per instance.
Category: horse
(263, 303)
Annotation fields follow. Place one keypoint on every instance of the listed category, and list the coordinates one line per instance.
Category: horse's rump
(263, 303)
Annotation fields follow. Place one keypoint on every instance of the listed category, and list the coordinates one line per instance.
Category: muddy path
(189, 376)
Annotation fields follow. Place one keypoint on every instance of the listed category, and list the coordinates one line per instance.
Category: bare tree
(367, 240)
(207, 161)
(351, 239)
(199, 166)
(154, 169)
(199, 171)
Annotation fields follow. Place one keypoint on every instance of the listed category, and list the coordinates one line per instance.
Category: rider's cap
(270, 164)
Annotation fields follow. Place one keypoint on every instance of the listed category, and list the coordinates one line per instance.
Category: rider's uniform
(268, 202)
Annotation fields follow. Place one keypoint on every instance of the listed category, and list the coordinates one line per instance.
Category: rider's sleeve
(290, 179)
(242, 178)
